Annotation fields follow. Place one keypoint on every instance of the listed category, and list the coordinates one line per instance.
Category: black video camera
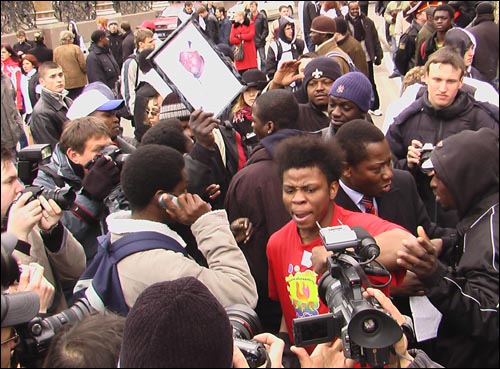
(31, 159)
(37, 334)
(366, 329)
(246, 324)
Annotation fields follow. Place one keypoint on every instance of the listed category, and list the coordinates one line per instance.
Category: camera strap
(59, 180)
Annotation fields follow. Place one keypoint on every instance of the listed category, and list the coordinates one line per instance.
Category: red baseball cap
(149, 25)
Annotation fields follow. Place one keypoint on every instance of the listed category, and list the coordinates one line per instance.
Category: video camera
(31, 158)
(246, 324)
(37, 333)
(366, 329)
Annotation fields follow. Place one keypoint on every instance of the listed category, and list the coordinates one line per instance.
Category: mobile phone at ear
(173, 198)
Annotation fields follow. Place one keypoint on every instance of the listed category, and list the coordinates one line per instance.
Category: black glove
(102, 177)
(377, 61)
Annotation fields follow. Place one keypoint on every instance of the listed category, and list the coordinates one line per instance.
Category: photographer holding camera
(41, 236)
(443, 110)
(77, 161)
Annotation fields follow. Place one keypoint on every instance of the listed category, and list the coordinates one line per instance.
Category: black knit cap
(177, 324)
(321, 66)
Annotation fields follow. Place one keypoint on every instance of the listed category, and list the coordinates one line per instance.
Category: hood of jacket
(267, 146)
(284, 21)
(467, 163)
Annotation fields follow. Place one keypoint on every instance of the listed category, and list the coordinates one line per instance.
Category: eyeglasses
(154, 113)
(15, 337)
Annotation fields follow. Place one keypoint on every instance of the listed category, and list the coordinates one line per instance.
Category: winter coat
(245, 32)
(72, 61)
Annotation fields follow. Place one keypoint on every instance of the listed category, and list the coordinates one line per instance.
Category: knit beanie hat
(323, 24)
(322, 66)
(177, 324)
(355, 87)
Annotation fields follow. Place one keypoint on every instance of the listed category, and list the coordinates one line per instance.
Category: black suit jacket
(402, 205)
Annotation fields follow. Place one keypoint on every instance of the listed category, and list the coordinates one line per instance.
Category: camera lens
(244, 320)
(64, 197)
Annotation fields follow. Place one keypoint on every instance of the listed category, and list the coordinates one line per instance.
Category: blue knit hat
(322, 66)
(355, 87)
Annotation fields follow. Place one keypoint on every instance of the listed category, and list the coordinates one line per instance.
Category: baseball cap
(19, 308)
(149, 25)
(95, 96)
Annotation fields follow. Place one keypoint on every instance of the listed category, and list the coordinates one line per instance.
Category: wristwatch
(408, 329)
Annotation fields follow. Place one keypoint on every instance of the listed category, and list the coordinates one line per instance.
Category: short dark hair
(308, 151)
(445, 7)
(353, 137)
(45, 66)
(7, 153)
(278, 106)
(125, 25)
(149, 169)
(93, 342)
(167, 132)
(446, 55)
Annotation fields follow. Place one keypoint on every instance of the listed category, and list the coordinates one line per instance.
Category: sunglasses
(154, 113)
(14, 337)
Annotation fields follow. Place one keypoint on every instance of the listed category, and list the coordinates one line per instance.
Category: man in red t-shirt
(310, 169)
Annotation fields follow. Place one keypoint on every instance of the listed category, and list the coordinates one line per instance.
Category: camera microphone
(367, 248)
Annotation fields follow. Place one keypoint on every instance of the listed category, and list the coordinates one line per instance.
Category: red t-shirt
(292, 280)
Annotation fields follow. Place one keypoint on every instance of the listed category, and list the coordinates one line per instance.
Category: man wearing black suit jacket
(368, 172)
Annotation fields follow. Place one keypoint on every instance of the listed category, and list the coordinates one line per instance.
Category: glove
(377, 61)
(102, 177)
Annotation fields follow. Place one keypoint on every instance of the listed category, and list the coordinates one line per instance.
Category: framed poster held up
(196, 71)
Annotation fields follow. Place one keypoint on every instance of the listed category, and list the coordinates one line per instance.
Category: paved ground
(388, 89)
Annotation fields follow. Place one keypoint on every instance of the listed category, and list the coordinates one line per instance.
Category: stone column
(44, 13)
(105, 9)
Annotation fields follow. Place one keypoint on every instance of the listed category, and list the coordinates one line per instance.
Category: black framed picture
(193, 68)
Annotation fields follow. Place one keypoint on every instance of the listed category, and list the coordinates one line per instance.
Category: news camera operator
(41, 236)
(78, 161)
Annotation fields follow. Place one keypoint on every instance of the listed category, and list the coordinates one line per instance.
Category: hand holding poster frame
(194, 69)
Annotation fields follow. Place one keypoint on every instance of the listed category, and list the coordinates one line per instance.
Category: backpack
(100, 282)
(347, 59)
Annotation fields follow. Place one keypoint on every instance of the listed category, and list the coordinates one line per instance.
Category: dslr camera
(31, 159)
(246, 324)
(37, 334)
(366, 329)
(425, 154)
(114, 153)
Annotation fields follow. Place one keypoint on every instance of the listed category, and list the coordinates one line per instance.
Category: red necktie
(367, 202)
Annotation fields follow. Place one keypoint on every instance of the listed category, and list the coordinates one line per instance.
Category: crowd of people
(145, 248)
